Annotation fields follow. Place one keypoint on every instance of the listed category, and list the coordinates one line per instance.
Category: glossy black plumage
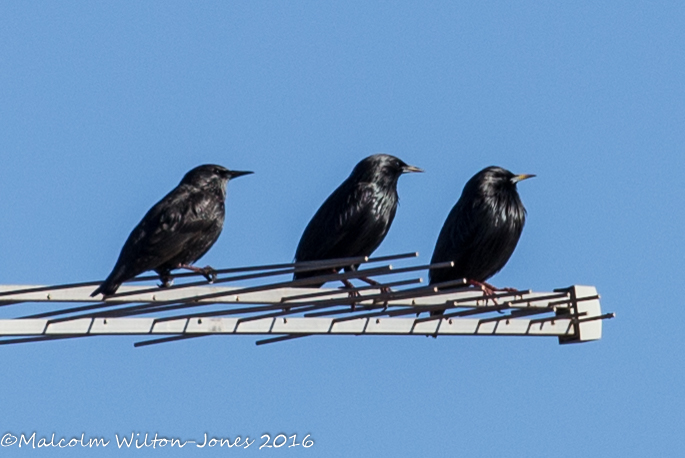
(483, 228)
(355, 218)
(178, 230)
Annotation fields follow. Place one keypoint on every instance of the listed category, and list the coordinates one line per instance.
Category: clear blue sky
(105, 105)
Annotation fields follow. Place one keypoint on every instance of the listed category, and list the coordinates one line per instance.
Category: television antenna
(283, 309)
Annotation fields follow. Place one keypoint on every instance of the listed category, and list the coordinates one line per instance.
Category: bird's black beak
(237, 173)
(518, 178)
(410, 169)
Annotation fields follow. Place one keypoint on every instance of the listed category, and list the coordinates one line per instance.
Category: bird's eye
(217, 171)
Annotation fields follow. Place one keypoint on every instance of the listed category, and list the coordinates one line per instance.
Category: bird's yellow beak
(518, 178)
(411, 168)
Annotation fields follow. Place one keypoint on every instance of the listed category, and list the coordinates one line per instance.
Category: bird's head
(381, 169)
(210, 175)
(496, 186)
(498, 178)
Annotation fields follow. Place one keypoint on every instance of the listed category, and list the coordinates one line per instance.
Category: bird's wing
(458, 236)
(343, 226)
(455, 233)
(166, 229)
(478, 244)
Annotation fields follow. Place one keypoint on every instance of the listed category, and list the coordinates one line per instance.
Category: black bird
(354, 220)
(177, 231)
(482, 229)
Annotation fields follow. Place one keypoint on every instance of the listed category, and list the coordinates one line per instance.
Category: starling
(482, 229)
(355, 218)
(177, 231)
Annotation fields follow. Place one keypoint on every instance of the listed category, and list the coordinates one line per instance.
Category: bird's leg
(207, 271)
(349, 285)
(383, 289)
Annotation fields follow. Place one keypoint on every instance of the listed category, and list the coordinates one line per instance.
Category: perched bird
(355, 218)
(177, 231)
(482, 229)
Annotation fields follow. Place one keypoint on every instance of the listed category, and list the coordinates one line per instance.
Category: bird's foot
(494, 288)
(381, 289)
(489, 290)
(207, 271)
(353, 294)
(508, 290)
(166, 280)
(349, 286)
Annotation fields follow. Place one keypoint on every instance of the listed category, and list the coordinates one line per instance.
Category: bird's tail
(107, 288)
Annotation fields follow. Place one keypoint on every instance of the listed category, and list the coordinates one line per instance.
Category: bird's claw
(209, 273)
(488, 289)
(509, 290)
(166, 281)
(353, 294)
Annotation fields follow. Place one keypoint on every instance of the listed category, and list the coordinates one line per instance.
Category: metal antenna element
(265, 300)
